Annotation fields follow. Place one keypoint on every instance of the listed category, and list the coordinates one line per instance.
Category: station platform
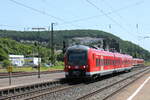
(27, 80)
(139, 90)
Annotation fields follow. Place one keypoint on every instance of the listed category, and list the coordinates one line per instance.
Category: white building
(17, 60)
(32, 61)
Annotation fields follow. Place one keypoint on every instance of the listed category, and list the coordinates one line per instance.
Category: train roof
(78, 47)
(138, 59)
(118, 54)
(102, 52)
(99, 51)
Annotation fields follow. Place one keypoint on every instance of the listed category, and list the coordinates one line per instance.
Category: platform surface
(139, 90)
(26, 80)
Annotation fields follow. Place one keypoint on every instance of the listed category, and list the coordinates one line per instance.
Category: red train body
(137, 61)
(82, 61)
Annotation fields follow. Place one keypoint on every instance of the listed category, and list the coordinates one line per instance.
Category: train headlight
(84, 66)
(69, 67)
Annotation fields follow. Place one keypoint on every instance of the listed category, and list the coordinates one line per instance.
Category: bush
(60, 57)
(59, 63)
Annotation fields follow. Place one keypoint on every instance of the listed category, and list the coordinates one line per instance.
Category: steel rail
(23, 90)
(40, 91)
(23, 96)
(118, 90)
(43, 95)
(111, 85)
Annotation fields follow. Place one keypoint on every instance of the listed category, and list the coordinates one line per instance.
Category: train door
(97, 68)
(111, 63)
(114, 62)
(101, 63)
(93, 63)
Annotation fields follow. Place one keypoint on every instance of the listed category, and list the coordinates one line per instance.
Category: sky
(127, 19)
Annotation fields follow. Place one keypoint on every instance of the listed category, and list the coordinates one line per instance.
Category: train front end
(76, 61)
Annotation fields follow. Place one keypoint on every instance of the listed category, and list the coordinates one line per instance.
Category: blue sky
(122, 15)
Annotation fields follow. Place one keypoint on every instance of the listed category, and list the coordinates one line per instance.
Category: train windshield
(77, 58)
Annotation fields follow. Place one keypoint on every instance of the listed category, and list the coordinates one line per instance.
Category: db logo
(76, 67)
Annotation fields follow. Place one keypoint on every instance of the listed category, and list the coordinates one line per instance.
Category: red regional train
(137, 61)
(82, 61)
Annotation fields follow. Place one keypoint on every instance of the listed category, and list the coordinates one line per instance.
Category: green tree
(3, 55)
(6, 63)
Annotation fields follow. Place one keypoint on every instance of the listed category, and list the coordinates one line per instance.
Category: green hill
(72, 36)
(9, 46)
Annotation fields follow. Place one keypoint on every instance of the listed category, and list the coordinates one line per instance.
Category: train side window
(107, 61)
(104, 62)
(110, 62)
(101, 62)
(114, 62)
(97, 62)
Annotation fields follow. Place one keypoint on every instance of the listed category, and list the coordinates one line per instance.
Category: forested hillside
(9, 46)
(69, 36)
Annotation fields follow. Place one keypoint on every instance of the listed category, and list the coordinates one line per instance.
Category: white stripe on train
(105, 72)
(108, 71)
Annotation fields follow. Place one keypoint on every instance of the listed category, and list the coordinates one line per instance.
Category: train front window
(77, 58)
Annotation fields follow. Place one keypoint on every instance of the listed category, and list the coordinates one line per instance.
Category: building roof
(21, 56)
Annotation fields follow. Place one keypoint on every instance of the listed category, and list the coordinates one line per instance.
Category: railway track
(109, 88)
(46, 95)
(37, 93)
(27, 91)
(46, 92)
(21, 74)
